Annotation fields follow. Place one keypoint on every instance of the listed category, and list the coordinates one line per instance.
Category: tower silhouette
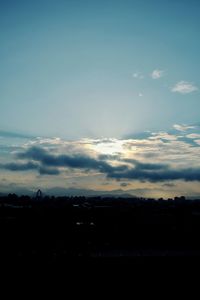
(39, 195)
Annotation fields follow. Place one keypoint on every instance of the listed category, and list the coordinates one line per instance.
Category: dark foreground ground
(66, 230)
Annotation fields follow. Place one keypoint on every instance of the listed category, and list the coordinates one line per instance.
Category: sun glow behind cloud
(157, 164)
(108, 146)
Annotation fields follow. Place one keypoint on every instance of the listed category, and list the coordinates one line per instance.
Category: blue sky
(67, 66)
(97, 69)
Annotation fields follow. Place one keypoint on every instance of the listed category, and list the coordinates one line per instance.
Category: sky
(83, 79)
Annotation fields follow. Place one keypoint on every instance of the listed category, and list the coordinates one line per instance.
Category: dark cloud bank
(47, 163)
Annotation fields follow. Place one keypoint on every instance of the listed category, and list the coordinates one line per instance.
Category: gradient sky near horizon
(83, 69)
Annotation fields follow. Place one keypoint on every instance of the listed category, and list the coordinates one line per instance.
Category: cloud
(29, 166)
(193, 136)
(198, 142)
(48, 171)
(138, 76)
(184, 87)
(124, 184)
(76, 161)
(19, 166)
(156, 74)
(163, 136)
(158, 174)
(151, 157)
(8, 134)
(140, 95)
(183, 127)
(129, 168)
(169, 184)
(145, 166)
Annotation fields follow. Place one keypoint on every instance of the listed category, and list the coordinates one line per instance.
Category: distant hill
(87, 192)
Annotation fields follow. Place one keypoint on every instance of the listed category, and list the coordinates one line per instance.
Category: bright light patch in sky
(109, 146)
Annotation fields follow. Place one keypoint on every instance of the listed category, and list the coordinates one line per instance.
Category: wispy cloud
(193, 136)
(138, 75)
(8, 134)
(156, 74)
(183, 127)
(184, 87)
(19, 166)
